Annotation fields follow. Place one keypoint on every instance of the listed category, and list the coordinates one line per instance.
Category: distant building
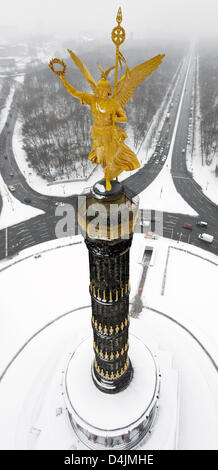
(7, 63)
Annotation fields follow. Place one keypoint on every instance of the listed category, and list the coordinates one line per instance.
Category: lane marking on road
(22, 232)
(181, 177)
(171, 222)
(28, 244)
(26, 239)
(6, 242)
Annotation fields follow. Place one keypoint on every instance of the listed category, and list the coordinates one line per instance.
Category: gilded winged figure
(108, 139)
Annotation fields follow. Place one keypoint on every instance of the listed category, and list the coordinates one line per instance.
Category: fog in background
(169, 19)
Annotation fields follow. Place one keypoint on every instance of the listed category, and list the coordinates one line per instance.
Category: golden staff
(118, 37)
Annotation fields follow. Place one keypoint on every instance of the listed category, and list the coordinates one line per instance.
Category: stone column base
(117, 421)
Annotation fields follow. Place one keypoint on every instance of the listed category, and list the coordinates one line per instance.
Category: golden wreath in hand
(58, 61)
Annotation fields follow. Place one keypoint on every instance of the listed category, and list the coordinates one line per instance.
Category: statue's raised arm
(61, 74)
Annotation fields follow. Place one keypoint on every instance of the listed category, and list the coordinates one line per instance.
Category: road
(42, 228)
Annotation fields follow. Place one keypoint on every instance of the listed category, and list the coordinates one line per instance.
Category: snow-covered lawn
(161, 195)
(205, 177)
(204, 174)
(13, 211)
(65, 188)
(19, 78)
(5, 110)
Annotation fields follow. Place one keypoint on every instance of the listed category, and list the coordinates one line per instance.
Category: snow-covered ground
(202, 173)
(19, 79)
(162, 195)
(13, 211)
(65, 188)
(205, 176)
(5, 110)
(59, 283)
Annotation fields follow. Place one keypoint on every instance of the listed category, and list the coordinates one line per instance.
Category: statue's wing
(129, 82)
(82, 67)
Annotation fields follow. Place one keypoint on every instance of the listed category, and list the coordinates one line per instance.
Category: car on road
(27, 200)
(163, 159)
(201, 223)
(183, 150)
(6, 157)
(188, 226)
(11, 174)
(205, 237)
(12, 188)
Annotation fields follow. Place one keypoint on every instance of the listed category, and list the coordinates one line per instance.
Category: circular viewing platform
(117, 421)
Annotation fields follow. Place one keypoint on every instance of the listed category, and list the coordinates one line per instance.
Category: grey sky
(167, 18)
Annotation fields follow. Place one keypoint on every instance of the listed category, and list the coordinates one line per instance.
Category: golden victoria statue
(108, 147)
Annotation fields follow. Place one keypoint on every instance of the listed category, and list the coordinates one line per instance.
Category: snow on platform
(33, 414)
(112, 410)
(41, 298)
(43, 288)
(182, 284)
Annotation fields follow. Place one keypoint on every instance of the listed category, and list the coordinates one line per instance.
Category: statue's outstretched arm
(73, 91)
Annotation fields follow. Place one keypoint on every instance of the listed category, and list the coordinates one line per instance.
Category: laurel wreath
(57, 61)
